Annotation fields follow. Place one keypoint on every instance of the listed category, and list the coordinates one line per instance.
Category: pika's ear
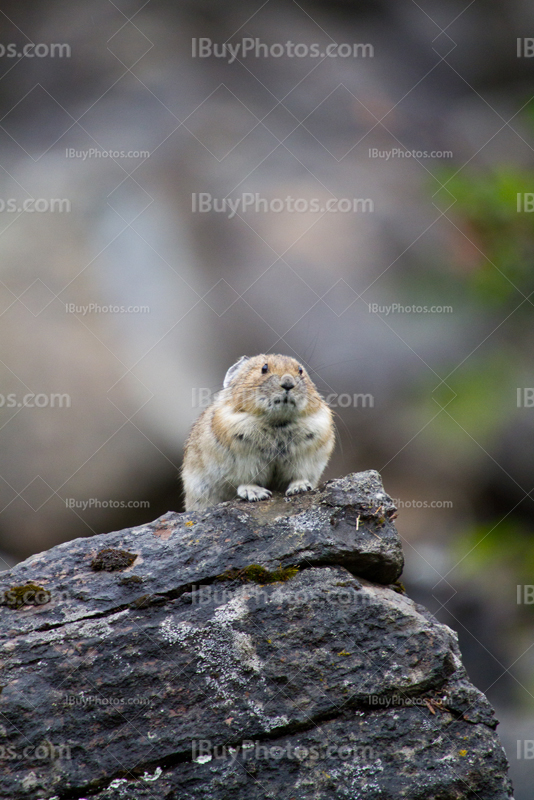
(232, 372)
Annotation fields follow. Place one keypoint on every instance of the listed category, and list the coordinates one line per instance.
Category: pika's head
(272, 385)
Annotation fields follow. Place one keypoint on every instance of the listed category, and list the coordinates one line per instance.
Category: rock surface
(190, 672)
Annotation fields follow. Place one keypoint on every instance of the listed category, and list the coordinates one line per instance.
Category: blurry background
(95, 405)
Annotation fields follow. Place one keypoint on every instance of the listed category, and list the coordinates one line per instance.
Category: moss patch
(255, 573)
(142, 602)
(29, 594)
(131, 580)
(111, 560)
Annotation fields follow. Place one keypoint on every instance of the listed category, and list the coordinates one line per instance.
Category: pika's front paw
(249, 491)
(297, 487)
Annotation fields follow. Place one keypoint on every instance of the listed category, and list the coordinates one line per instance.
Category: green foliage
(492, 258)
(477, 399)
(505, 544)
(486, 211)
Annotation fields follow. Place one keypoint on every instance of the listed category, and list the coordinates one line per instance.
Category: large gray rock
(249, 651)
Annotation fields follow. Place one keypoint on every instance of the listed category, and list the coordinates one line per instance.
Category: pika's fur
(267, 429)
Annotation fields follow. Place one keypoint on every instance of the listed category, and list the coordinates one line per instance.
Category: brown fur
(258, 435)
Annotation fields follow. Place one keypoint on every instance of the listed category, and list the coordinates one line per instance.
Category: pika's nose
(287, 382)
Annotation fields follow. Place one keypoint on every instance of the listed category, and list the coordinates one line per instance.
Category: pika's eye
(300, 370)
(265, 368)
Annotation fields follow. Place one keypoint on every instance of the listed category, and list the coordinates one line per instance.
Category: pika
(267, 430)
